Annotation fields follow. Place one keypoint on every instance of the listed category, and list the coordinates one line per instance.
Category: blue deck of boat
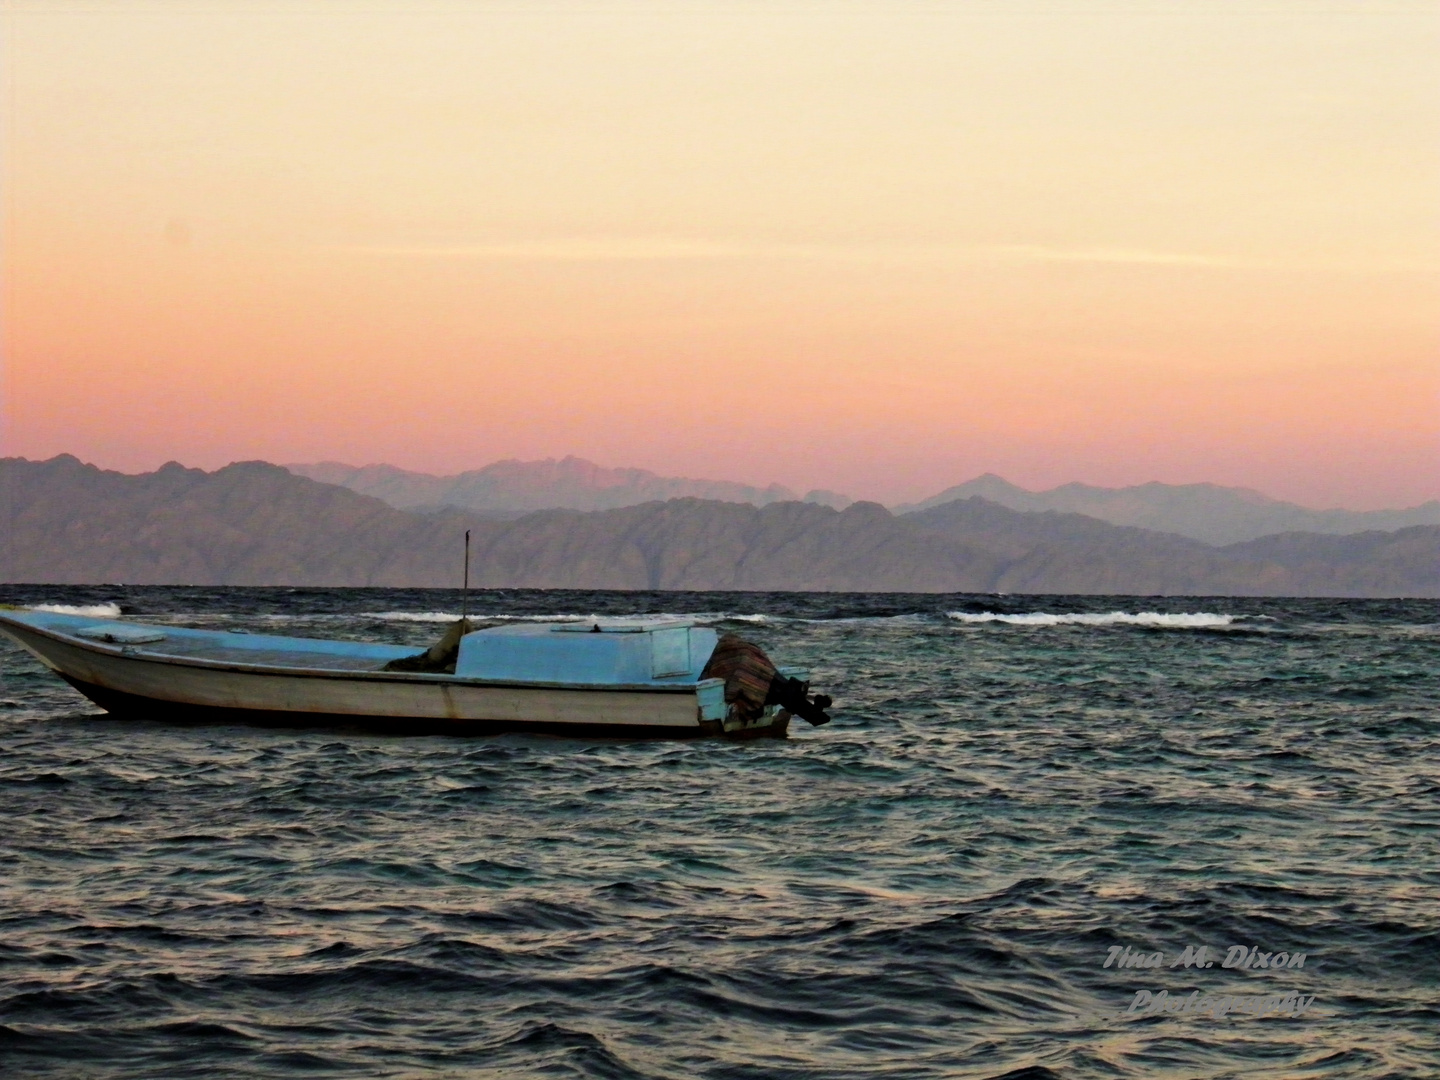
(667, 655)
(227, 646)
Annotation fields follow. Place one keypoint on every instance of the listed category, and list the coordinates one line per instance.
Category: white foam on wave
(90, 611)
(912, 618)
(701, 617)
(603, 620)
(1183, 620)
(407, 616)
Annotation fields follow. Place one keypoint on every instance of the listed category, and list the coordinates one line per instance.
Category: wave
(404, 616)
(1184, 620)
(1173, 620)
(94, 611)
(603, 620)
(704, 618)
(701, 618)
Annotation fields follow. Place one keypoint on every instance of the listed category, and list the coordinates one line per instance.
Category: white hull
(124, 679)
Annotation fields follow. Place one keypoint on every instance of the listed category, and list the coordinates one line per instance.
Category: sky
(878, 248)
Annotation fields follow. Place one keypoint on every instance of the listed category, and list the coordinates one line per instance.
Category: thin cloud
(656, 249)
(603, 249)
(1030, 253)
(582, 249)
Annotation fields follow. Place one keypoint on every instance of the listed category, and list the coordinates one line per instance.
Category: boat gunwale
(134, 652)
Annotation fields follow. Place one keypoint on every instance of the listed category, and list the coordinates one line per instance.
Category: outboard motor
(752, 684)
(792, 695)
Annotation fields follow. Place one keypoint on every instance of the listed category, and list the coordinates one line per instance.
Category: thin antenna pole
(465, 590)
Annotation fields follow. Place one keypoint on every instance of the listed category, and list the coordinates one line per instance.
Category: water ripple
(928, 887)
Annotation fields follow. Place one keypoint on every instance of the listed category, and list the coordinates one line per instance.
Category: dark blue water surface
(927, 887)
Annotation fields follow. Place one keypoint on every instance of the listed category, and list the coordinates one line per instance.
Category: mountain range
(253, 523)
(1208, 512)
(510, 489)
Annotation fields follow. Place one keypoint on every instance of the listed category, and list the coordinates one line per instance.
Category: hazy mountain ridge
(257, 524)
(243, 524)
(507, 489)
(510, 489)
(1207, 512)
(1080, 554)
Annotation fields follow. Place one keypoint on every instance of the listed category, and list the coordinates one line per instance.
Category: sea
(1043, 837)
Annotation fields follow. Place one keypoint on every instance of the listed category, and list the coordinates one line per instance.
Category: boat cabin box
(666, 654)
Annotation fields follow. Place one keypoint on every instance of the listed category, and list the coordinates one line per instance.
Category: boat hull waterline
(131, 681)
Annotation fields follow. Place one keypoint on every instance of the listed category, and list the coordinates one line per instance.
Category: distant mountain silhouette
(508, 489)
(1208, 512)
(1071, 553)
(257, 524)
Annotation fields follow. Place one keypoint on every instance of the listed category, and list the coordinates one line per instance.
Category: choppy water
(926, 888)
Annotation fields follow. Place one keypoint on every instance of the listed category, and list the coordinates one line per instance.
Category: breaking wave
(703, 618)
(604, 620)
(93, 611)
(409, 616)
(1185, 620)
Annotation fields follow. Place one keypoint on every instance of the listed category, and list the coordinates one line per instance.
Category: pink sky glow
(848, 246)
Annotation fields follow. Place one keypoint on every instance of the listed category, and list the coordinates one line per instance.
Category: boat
(609, 679)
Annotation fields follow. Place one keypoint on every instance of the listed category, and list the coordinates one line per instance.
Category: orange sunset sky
(874, 247)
